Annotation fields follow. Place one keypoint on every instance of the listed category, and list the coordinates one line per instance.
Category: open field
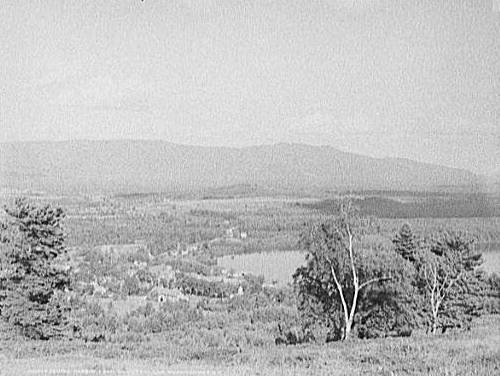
(476, 352)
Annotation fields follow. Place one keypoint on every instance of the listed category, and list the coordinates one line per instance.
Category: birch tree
(337, 272)
(439, 279)
(449, 280)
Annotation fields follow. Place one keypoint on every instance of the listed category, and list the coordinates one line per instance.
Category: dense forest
(421, 206)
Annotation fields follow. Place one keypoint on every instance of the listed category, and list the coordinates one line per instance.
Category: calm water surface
(280, 266)
(274, 266)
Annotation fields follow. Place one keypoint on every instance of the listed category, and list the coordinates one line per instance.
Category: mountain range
(128, 166)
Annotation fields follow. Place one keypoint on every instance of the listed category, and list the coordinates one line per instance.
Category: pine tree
(32, 278)
(405, 243)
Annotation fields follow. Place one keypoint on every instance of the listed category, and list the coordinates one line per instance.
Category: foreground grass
(476, 352)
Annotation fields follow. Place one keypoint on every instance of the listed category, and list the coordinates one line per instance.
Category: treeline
(453, 206)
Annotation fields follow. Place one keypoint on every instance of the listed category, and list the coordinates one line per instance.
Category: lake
(274, 266)
(491, 262)
(280, 266)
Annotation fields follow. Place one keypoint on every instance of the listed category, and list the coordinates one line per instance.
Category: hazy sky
(382, 78)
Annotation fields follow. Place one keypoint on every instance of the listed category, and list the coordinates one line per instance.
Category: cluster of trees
(433, 283)
(162, 230)
(216, 289)
(432, 206)
(202, 287)
(189, 266)
(117, 273)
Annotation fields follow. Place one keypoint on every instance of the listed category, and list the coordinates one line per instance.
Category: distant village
(163, 288)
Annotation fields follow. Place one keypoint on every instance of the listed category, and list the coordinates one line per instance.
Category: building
(230, 232)
(168, 295)
(98, 289)
(235, 233)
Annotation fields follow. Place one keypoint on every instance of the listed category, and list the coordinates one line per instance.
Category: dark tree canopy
(31, 275)
(405, 243)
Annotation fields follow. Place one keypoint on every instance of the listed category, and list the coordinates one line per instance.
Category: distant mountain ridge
(124, 166)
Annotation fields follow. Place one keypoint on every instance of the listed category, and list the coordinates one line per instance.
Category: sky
(418, 80)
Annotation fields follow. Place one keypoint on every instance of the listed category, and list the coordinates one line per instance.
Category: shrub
(91, 322)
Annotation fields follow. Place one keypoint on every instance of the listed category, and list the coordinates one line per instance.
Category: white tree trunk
(350, 313)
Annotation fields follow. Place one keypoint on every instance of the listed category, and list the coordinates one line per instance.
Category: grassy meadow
(475, 352)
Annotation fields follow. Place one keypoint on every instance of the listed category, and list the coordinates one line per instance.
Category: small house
(169, 295)
(98, 289)
(230, 232)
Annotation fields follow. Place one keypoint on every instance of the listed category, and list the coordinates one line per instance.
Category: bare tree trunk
(342, 300)
(350, 319)
(436, 298)
(435, 314)
(434, 325)
(348, 330)
(350, 313)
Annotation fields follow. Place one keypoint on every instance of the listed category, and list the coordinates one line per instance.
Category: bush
(91, 322)
(492, 296)
(167, 317)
